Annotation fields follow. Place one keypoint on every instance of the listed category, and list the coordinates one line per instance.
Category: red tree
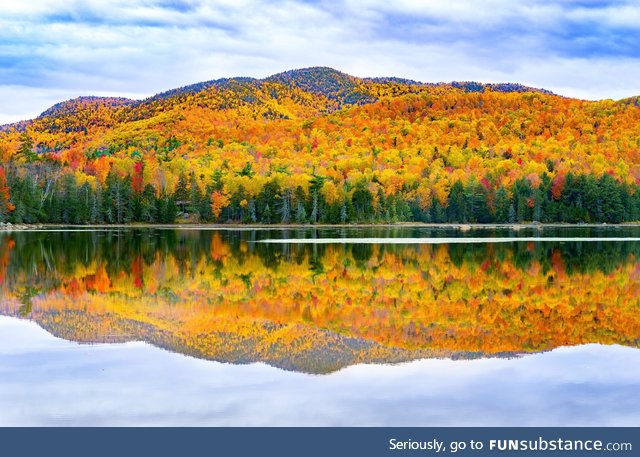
(5, 197)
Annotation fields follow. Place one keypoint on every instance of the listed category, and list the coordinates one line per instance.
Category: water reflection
(47, 381)
(316, 308)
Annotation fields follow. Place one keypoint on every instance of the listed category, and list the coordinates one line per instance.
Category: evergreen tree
(285, 212)
(343, 213)
(512, 214)
(314, 209)
(266, 214)
(502, 205)
(456, 211)
(253, 218)
(301, 213)
(381, 209)
(267, 201)
(96, 214)
(537, 206)
(148, 209)
(315, 186)
(84, 203)
(438, 213)
(612, 209)
(181, 195)
(362, 201)
(26, 149)
(196, 196)
(167, 209)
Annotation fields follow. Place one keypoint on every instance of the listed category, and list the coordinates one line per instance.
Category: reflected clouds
(53, 382)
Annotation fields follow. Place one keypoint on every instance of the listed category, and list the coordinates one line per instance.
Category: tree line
(45, 193)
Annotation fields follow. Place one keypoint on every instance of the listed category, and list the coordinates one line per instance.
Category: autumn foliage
(5, 203)
(222, 295)
(317, 141)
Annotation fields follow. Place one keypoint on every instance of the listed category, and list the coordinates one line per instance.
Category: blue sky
(52, 50)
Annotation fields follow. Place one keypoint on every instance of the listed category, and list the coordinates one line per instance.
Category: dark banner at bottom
(310, 442)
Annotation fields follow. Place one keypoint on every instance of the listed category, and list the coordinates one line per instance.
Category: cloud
(47, 381)
(141, 47)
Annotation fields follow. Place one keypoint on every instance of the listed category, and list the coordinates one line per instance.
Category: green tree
(457, 211)
(26, 148)
(502, 205)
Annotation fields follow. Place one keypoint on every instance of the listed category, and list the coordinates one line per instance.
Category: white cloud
(46, 381)
(22, 102)
(49, 49)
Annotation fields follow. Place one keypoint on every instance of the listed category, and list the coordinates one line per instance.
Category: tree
(26, 150)
(117, 199)
(537, 205)
(592, 199)
(502, 205)
(612, 209)
(343, 213)
(315, 186)
(71, 200)
(5, 197)
(267, 201)
(166, 208)
(457, 211)
(148, 209)
(219, 201)
(512, 214)
(301, 213)
(96, 215)
(252, 211)
(195, 195)
(285, 211)
(181, 194)
(362, 201)
(266, 214)
(315, 211)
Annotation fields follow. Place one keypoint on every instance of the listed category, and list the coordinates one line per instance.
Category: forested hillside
(320, 146)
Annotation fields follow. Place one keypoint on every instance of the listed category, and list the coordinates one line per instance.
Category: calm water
(358, 326)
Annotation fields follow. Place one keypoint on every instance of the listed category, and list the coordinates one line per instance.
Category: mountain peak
(79, 103)
(325, 81)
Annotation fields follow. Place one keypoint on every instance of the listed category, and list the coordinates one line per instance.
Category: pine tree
(502, 205)
(301, 213)
(70, 199)
(181, 195)
(195, 195)
(266, 215)
(148, 209)
(252, 211)
(96, 215)
(512, 214)
(457, 211)
(285, 213)
(537, 206)
(84, 203)
(25, 150)
(314, 211)
(612, 209)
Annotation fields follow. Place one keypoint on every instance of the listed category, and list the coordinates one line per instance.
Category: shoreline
(8, 227)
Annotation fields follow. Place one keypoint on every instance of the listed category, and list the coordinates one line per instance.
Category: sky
(53, 50)
(47, 381)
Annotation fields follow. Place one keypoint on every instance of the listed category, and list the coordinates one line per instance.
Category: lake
(420, 326)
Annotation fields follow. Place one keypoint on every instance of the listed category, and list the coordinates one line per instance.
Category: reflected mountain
(316, 308)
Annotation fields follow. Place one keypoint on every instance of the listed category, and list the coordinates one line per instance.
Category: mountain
(326, 82)
(89, 104)
(319, 145)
